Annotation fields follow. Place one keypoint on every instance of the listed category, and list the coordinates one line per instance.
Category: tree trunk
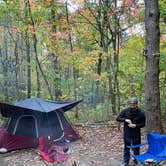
(28, 64)
(152, 91)
(4, 62)
(28, 57)
(16, 69)
(56, 79)
(40, 68)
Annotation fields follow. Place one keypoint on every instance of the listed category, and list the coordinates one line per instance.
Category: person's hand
(131, 125)
(128, 121)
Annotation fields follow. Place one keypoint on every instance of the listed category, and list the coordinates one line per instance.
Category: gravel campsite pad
(100, 145)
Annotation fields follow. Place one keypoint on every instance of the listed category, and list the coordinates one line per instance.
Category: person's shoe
(135, 162)
(124, 164)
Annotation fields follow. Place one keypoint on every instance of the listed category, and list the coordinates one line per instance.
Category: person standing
(134, 119)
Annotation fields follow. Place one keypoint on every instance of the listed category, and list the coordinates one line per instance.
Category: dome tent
(32, 118)
(35, 117)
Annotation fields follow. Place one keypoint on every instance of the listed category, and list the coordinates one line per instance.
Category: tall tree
(152, 91)
(28, 56)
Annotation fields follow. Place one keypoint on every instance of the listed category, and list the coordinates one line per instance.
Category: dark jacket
(137, 117)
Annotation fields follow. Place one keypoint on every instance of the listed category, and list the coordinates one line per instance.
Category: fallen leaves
(99, 145)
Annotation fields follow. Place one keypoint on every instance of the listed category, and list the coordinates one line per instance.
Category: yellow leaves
(72, 17)
(88, 62)
(72, 58)
(85, 12)
(53, 34)
(59, 35)
(92, 58)
(64, 26)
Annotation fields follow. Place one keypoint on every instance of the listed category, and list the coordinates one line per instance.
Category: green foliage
(163, 9)
(132, 68)
(68, 52)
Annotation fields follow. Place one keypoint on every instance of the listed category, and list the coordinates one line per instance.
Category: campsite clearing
(99, 145)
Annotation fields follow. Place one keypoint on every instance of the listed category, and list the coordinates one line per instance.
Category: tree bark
(152, 91)
(16, 69)
(28, 57)
(28, 64)
(57, 80)
(5, 63)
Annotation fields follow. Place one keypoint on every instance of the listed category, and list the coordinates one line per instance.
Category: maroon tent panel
(51, 152)
(14, 142)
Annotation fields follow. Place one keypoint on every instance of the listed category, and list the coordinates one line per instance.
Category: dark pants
(129, 142)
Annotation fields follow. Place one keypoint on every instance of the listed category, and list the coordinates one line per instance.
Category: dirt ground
(100, 145)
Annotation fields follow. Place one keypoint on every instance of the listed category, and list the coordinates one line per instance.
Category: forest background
(70, 50)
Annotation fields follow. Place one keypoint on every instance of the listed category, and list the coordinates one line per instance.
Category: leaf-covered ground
(100, 145)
